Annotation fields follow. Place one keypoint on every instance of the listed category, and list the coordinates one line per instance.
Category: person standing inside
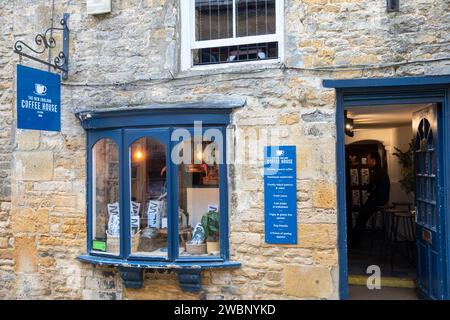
(378, 195)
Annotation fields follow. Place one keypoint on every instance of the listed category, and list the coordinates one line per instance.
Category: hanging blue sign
(280, 195)
(38, 99)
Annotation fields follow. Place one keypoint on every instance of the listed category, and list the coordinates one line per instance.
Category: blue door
(428, 212)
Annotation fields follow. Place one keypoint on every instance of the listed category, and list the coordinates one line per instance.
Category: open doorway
(390, 170)
(431, 130)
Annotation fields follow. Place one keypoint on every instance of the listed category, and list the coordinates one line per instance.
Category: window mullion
(218, 19)
(93, 195)
(192, 23)
(234, 18)
(256, 17)
(210, 20)
(235, 42)
(224, 200)
(246, 17)
(200, 25)
(265, 16)
(125, 197)
(172, 195)
(228, 21)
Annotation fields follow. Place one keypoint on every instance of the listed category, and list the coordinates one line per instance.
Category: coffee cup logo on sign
(40, 89)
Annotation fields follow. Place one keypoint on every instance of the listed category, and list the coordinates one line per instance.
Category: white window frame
(188, 42)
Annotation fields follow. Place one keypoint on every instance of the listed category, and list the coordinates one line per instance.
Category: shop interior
(197, 190)
(198, 199)
(388, 238)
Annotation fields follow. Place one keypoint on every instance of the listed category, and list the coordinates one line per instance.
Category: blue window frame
(122, 129)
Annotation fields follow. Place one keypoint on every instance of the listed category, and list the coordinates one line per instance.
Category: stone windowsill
(230, 68)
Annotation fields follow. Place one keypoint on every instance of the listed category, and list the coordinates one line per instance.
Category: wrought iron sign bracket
(45, 41)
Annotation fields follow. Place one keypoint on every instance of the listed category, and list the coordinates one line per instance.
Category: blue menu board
(280, 195)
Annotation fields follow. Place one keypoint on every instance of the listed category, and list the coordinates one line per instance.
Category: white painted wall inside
(390, 137)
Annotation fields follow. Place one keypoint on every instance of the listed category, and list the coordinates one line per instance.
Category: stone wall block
(34, 166)
(25, 254)
(324, 194)
(317, 236)
(308, 281)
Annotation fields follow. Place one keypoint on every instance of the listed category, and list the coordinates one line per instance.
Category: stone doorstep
(392, 282)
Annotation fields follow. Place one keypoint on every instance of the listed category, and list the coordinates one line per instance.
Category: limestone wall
(7, 277)
(131, 58)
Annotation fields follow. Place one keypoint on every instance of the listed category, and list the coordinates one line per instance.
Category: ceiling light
(348, 125)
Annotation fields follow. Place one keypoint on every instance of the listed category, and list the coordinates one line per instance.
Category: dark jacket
(379, 186)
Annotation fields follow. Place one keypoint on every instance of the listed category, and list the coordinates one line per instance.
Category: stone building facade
(131, 58)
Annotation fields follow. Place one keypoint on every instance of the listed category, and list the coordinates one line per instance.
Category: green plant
(406, 159)
(210, 222)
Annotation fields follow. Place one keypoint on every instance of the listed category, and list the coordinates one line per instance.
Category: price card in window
(154, 214)
(114, 219)
(99, 245)
(135, 206)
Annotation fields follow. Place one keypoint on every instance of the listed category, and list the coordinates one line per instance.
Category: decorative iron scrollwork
(45, 41)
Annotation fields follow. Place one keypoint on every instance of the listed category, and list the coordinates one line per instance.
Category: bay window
(157, 189)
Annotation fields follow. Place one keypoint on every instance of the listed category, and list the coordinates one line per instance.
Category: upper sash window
(227, 31)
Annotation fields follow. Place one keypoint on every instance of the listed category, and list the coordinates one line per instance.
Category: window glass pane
(213, 19)
(106, 202)
(435, 221)
(149, 217)
(429, 214)
(198, 196)
(419, 212)
(255, 17)
(424, 188)
(249, 52)
(433, 163)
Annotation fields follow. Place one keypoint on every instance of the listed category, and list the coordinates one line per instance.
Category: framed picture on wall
(364, 196)
(356, 198)
(354, 178)
(365, 176)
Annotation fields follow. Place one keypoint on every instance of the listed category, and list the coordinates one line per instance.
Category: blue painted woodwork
(406, 90)
(210, 113)
(190, 279)
(131, 277)
(427, 163)
(188, 272)
(161, 135)
(386, 82)
(126, 126)
(92, 139)
(153, 264)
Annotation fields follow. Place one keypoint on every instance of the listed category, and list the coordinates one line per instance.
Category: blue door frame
(380, 91)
